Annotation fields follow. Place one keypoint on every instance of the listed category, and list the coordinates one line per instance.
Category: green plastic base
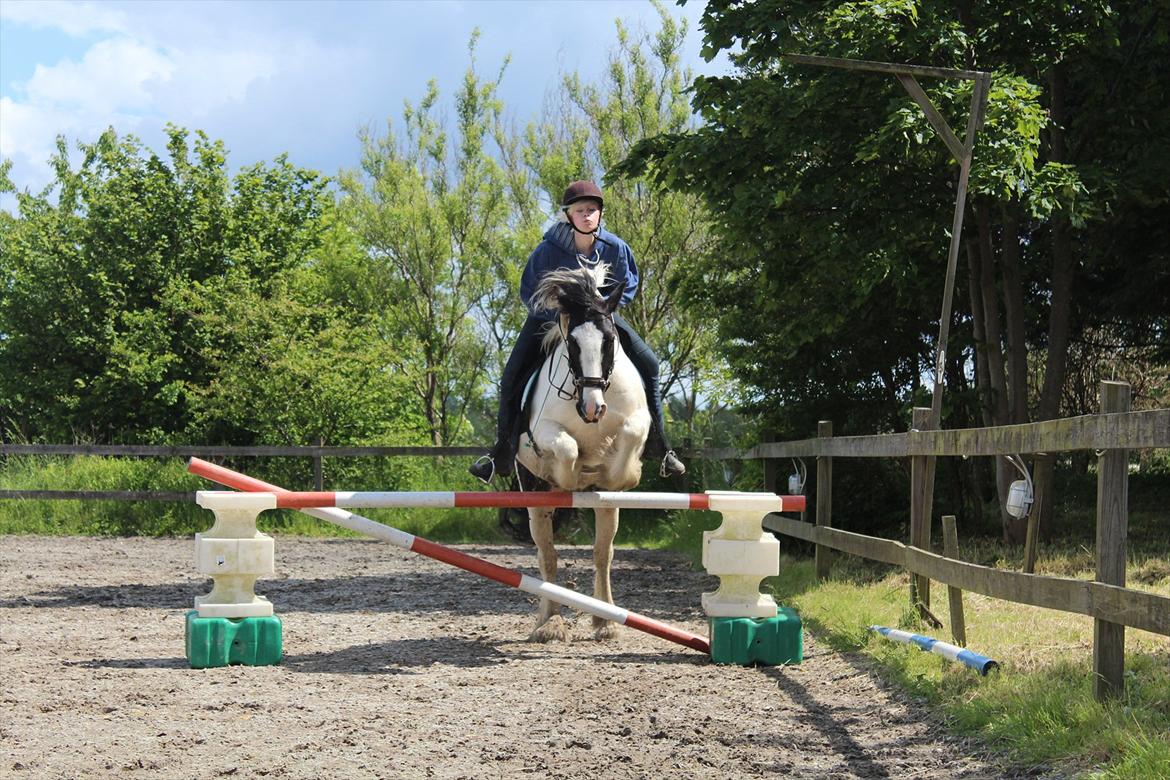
(253, 641)
(764, 641)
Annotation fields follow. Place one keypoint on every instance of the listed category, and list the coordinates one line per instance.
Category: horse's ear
(614, 299)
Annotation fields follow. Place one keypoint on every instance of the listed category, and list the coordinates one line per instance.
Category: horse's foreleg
(549, 623)
(624, 464)
(606, 524)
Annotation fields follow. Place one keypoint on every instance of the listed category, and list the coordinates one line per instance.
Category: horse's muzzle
(590, 413)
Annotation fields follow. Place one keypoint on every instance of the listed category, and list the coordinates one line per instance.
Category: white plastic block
(228, 602)
(235, 513)
(739, 597)
(760, 503)
(233, 499)
(254, 556)
(731, 556)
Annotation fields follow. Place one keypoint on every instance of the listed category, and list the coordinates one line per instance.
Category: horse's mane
(577, 286)
(568, 288)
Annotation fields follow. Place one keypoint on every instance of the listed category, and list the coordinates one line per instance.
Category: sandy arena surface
(397, 666)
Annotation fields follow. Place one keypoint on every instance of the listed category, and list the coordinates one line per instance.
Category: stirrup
(671, 465)
(477, 469)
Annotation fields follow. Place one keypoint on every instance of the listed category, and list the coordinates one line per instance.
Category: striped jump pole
(491, 571)
(583, 500)
(969, 658)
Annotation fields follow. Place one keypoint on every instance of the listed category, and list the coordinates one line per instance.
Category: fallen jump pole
(979, 663)
(415, 544)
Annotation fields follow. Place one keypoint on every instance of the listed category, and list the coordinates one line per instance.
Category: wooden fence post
(920, 494)
(1112, 528)
(824, 561)
(318, 470)
(954, 595)
(771, 468)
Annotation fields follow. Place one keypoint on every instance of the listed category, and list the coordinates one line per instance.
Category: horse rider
(575, 241)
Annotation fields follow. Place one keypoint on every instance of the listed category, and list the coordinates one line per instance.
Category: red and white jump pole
(583, 500)
(509, 577)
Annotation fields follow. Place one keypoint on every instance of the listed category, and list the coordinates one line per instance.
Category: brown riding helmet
(579, 190)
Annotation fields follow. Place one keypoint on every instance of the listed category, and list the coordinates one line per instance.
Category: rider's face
(586, 215)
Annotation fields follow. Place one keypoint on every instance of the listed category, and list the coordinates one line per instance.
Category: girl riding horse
(576, 241)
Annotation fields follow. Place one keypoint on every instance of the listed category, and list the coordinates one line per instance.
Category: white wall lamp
(1020, 494)
(798, 477)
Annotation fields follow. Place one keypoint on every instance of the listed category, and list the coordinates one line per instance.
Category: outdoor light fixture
(797, 478)
(1020, 495)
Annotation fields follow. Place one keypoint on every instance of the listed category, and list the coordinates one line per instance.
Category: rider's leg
(525, 355)
(644, 359)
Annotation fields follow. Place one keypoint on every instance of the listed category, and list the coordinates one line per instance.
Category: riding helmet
(579, 190)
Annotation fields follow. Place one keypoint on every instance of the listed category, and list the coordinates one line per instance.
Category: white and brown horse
(588, 421)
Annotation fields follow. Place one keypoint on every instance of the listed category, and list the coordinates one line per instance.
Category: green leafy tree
(293, 366)
(109, 278)
(833, 195)
(441, 221)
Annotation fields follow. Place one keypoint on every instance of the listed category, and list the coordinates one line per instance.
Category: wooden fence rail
(1129, 430)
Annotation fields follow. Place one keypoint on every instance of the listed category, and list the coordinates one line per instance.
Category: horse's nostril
(601, 411)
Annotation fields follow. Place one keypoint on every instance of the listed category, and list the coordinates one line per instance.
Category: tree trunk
(1059, 316)
(1014, 529)
(1013, 296)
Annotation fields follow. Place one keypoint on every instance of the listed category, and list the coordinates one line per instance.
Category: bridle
(579, 382)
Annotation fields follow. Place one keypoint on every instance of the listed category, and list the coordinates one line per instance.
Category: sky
(299, 76)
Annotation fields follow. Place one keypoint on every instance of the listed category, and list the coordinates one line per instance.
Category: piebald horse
(588, 421)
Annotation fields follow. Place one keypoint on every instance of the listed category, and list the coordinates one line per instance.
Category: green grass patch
(157, 518)
(1038, 709)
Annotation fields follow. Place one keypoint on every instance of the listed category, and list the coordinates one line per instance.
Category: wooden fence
(1110, 434)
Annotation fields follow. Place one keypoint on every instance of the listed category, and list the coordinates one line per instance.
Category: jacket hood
(561, 235)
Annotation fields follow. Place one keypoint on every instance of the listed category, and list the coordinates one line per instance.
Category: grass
(156, 518)
(1038, 709)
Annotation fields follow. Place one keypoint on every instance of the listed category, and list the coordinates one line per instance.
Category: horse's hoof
(554, 630)
(604, 630)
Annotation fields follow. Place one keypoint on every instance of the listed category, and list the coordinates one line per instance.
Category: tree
(832, 196)
(435, 217)
(93, 344)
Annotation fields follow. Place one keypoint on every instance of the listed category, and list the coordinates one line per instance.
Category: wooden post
(318, 471)
(1112, 528)
(954, 595)
(824, 560)
(920, 494)
(772, 469)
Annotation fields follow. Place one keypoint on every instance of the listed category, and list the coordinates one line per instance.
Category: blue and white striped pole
(979, 663)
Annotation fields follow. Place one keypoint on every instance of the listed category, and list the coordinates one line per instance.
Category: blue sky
(270, 77)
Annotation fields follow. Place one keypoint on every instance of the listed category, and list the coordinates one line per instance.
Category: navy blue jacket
(558, 251)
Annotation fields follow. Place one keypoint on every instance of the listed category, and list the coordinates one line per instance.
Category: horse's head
(586, 325)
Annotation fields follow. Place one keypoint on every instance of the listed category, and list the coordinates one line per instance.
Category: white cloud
(115, 74)
(133, 85)
(75, 19)
(205, 79)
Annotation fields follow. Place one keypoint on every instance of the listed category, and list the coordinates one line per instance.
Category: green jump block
(253, 641)
(765, 641)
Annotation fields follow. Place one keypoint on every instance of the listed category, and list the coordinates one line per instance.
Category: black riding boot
(524, 359)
